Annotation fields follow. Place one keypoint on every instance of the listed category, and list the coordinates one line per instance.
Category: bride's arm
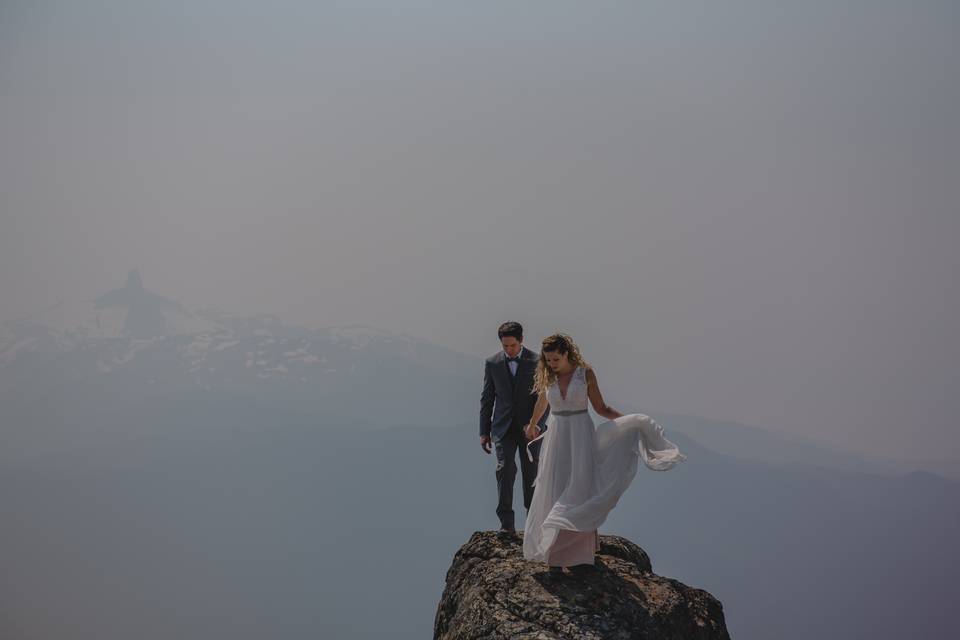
(596, 398)
(538, 410)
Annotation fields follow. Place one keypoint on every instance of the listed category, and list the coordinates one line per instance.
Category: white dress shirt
(513, 365)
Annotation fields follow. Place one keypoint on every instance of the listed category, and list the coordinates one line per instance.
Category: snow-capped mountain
(130, 344)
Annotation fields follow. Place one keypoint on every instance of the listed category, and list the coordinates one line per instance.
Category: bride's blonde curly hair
(562, 343)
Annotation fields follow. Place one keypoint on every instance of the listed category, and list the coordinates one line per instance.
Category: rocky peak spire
(134, 282)
(492, 593)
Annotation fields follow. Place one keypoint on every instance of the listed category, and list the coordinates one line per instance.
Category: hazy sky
(741, 210)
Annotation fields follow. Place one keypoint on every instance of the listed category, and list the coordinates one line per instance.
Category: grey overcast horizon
(745, 211)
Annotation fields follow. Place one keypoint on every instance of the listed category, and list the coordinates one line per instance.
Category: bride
(583, 470)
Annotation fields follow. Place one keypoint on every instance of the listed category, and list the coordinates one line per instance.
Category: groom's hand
(485, 443)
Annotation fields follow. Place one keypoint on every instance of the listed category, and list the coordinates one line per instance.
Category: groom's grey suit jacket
(505, 402)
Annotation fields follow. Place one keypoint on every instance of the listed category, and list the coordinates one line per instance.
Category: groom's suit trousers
(507, 448)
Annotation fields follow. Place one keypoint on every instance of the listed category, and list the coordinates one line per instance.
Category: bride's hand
(531, 431)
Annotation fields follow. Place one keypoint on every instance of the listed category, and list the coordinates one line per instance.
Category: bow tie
(517, 359)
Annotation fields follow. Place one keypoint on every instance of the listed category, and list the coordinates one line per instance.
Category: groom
(506, 406)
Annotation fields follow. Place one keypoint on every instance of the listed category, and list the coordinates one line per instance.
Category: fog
(745, 211)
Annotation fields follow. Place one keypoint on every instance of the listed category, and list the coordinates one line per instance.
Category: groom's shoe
(510, 531)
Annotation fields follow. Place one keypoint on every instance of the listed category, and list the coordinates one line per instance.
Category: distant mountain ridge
(131, 343)
(130, 348)
(749, 442)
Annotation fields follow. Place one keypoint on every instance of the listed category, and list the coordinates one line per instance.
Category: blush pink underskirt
(573, 547)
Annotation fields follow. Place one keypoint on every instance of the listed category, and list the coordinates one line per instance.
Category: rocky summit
(492, 592)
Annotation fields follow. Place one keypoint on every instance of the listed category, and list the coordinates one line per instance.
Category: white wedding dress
(583, 471)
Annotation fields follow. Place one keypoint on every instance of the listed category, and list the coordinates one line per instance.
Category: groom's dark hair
(510, 329)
